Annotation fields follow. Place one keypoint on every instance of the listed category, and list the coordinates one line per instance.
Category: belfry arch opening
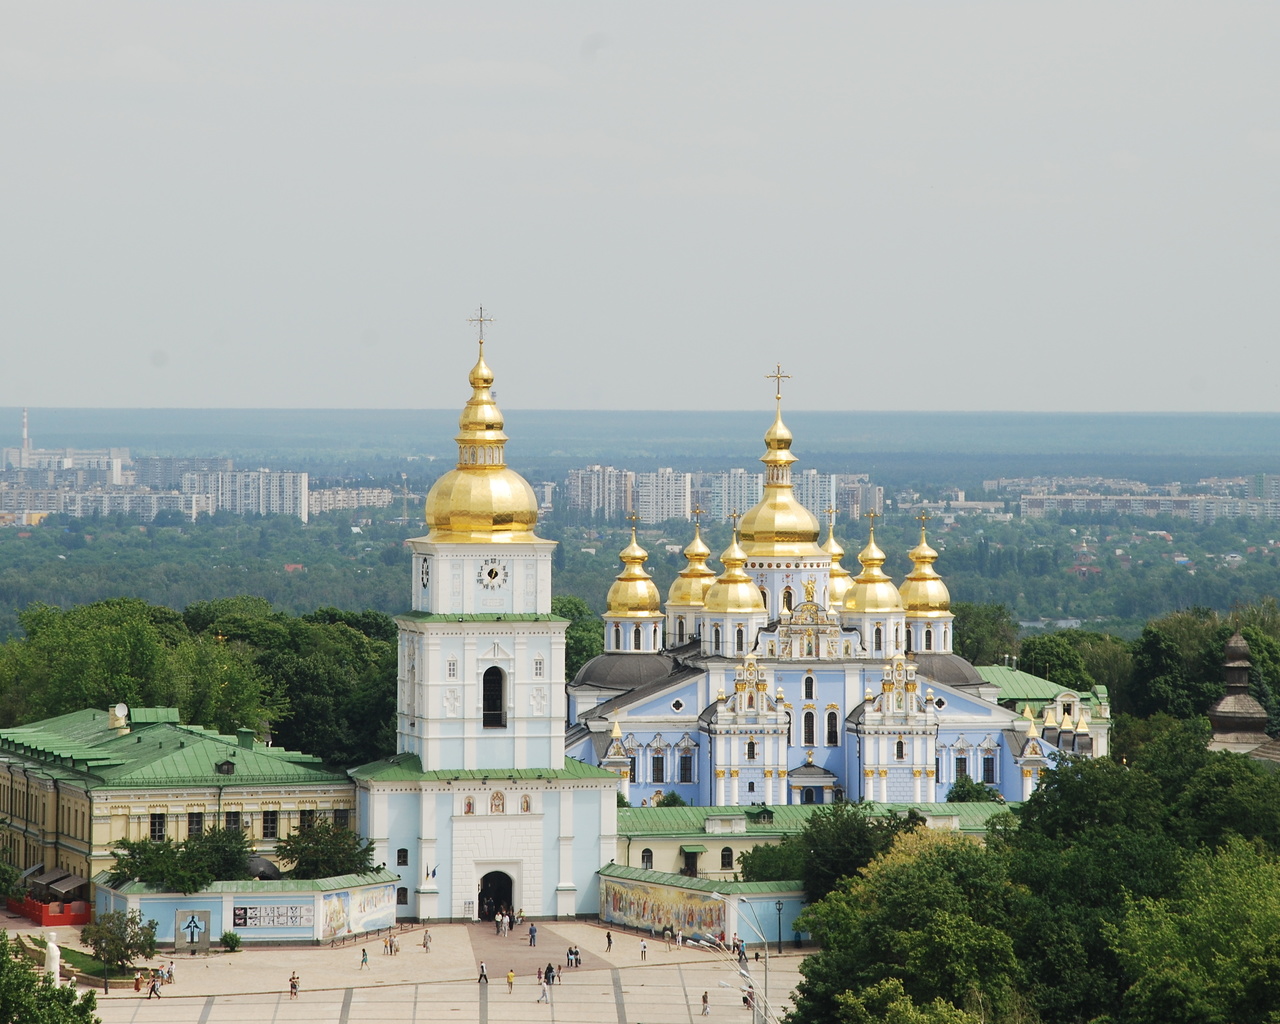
(493, 697)
(496, 893)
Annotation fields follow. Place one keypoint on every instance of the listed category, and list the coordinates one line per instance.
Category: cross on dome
(480, 319)
(777, 377)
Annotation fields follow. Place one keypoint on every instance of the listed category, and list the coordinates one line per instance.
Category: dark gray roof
(623, 671)
(643, 692)
(812, 773)
(950, 669)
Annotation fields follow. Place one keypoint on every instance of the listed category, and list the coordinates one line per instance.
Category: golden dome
(872, 591)
(734, 592)
(924, 595)
(779, 526)
(690, 587)
(633, 595)
(481, 500)
(841, 579)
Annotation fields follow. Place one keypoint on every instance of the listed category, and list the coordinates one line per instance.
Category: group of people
(154, 978)
(573, 957)
(390, 946)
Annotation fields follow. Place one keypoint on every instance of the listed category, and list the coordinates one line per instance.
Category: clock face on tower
(493, 574)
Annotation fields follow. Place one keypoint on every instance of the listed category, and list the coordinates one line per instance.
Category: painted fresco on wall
(655, 907)
(361, 910)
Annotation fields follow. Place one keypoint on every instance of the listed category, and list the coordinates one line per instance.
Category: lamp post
(778, 907)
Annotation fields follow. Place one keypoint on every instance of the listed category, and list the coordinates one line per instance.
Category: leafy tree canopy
(118, 938)
(187, 866)
(325, 850)
(29, 996)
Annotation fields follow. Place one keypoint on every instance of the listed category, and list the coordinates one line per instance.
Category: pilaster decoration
(719, 773)
(915, 772)
(733, 773)
(782, 773)
(768, 773)
(868, 773)
(929, 772)
(884, 772)
(1026, 773)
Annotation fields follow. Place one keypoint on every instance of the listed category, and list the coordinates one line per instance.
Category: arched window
(900, 751)
(833, 729)
(897, 637)
(680, 630)
(808, 687)
(786, 599)
(402, 857)
(751, 787)
(635, 639)
(402, 896)
(909, 644)
(740, 640)
(878, 639)
(617, 637)
(646, 859)
(806, 795)
(493, 699)
(726, 859)
(715, 640)
(808, 728)
(751, 750)
(838, 795)
(764, 596)
(928, 639)
(655, 638)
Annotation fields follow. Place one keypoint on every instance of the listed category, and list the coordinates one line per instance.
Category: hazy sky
(954, 205)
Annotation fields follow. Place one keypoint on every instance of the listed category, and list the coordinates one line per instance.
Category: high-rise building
(662, 495)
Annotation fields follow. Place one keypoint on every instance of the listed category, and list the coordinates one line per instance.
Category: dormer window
(225, 767)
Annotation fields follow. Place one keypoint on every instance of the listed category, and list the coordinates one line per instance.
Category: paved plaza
(416, 987)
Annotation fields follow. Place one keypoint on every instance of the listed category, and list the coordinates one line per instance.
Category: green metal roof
(707, 885)
(255, 886)
(1016, 685)
(481, 617)
(408, 768)
(972, 818)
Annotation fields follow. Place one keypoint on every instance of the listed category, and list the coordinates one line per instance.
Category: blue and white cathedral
(782, 679)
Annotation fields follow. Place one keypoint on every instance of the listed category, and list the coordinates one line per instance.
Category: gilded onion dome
(779, 526)
(923, 593)
(872, 590)
(690, 587)
(633, 595)
(840, 579)
(481, 500)
(733, 591)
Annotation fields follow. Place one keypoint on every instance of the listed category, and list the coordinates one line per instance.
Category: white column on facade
(768, 787)
(733, 787)
(916, 783)
(719, 787)
(884, 785)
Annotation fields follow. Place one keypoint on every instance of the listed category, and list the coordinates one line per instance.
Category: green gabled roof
(972, 817)
(692, 821)
(1018, 685)
(481, 617)
(407, 768)
(708, 885)
(255, 886)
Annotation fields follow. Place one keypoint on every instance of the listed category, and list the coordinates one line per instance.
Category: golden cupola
(840, 577)
(872, 590)
(481, 500)
(690, 587)
(733, 592)
(924, 595)
(779, 526)
(633, 595)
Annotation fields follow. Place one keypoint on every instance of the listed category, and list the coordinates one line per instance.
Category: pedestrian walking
(511, 979)
(644, 950)
(386, 946)
(568, 957)
(426, 939)
(608, 941)
(546, 994)
(137, 981)
(364, 959)
(679, 938)
(549, 975)
(484, 974)
(539, 974)
(706, 1005)
(533, 934)
(293, 985)
(155, 986)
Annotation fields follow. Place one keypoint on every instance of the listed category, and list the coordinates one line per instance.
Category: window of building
(631, 775)
(402, 896)
(646, 859)
(617, 637)
(157, 827)
(402, 857)
(928, 639)
(1066, 711)
(539, 668)
(806, 795)
(751, 787)
(878, 638)
(787, 598)
(989, 769)
(962, 767)
(271, 824)
(635, 639)
(232, 819)
(341, 818)
(659, 768)
(715, 640)
(808, 729)
(897, 637)
(452, 668)
(740, 640)
(808, 687)
(909, 636)
(726, 859)
(306, 819)
(686, 767)
(493, 699)
(195, 824)
(680, 630)
(833, 729)
(751, 750)
(764, 596)
(900, 751)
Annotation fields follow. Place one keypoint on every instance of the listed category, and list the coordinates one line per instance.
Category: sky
(945, 206)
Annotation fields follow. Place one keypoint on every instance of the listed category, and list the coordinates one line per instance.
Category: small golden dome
(841, 579)
(924, 595)
(481, 500)
(872, 590)
(778, 526)
(690, 587)
(734, 591)
(633, 595)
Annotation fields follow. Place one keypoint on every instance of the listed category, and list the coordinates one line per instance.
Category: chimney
(245, 738)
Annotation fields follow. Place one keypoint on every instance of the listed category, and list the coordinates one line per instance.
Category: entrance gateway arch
(497, 892)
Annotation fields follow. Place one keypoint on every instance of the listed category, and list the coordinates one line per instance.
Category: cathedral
(785, 680)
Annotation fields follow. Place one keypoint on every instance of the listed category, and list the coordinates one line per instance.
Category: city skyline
(980, 206)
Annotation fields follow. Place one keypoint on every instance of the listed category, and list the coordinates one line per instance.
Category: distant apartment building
(337, 499)
(165, 473)
(600, 491)
(141, 505)
(719, 495)
(248, 492)
(662, 495)
(1199, 508)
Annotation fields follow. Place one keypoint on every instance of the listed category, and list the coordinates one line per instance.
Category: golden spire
(779, 526)
(633, 595)
(872, 590)
(481, 500)
(924, 594)
(734, 591)
(841, 579)
(690, 587)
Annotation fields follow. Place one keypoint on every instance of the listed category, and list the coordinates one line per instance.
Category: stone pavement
(416, 987)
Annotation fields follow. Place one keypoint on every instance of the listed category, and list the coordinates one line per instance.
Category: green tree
(1053, 656)
(584, 637)
(775, 862)
(671, 799)
(887, 1002)
(984, 633)
(966, 790)
(29, 996)
(118, 938)
(325, 850)
(843, 838)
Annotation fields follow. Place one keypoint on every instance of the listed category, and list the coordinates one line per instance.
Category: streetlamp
(778, 907)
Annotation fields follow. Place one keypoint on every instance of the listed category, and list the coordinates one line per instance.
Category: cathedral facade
(783, 679)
